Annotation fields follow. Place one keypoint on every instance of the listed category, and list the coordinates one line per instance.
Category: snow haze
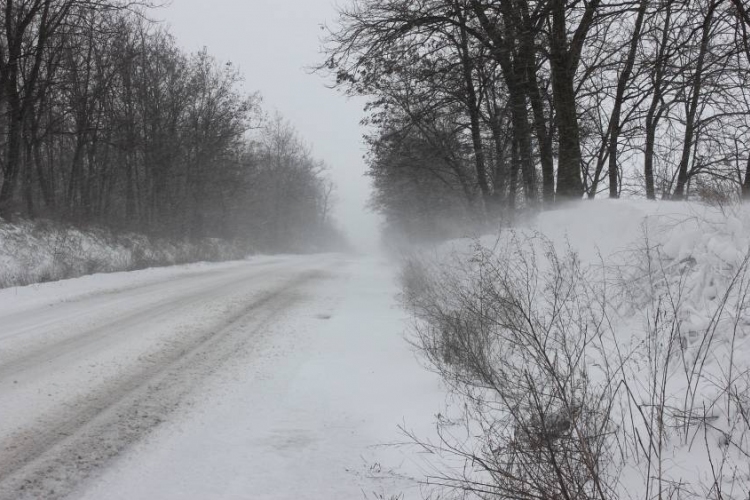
(274, 44)
(551, 301)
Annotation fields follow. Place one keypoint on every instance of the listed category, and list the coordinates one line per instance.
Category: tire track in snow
(68, 348)
(51, 458)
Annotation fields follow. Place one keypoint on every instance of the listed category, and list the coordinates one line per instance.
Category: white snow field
(273, 378)
(670, 349)
(288, 377)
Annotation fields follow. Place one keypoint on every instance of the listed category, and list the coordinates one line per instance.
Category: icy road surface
(273, 378)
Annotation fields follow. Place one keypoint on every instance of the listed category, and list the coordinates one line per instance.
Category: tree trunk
(602, 155)
(622, 82)
(648, 164)
(45, 183)
(522, 133)
(514, 76)
(472, 104)
(130, 210)
(514, 165)
(15, 124)
(569, 185)
(13, 155)
(527, 57)
(75, 180)
(563, 63)
(28, 178)
(544, 138)
(683, 172)
(655, 110)
(500, 182)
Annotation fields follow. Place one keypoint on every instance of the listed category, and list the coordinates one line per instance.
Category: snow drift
(41, 251)
(600, 352)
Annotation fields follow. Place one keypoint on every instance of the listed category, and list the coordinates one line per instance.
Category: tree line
(104, 119)
(478, 107)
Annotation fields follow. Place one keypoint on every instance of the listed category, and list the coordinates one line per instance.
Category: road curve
(83, 379)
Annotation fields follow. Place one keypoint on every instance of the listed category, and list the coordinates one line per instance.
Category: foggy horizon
(275, 45)
(495, 249)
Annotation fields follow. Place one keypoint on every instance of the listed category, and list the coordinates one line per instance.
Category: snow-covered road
(275, 377)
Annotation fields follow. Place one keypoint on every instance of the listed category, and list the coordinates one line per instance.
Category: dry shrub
(575, 382)
(512, 330)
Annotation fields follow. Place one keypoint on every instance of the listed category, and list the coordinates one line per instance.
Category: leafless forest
(479, 107)
(105, 120)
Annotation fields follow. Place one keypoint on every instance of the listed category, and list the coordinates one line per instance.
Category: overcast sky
(274, 42)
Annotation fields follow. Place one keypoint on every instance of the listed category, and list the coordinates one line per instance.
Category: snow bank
(673, 340)
(35, 252)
